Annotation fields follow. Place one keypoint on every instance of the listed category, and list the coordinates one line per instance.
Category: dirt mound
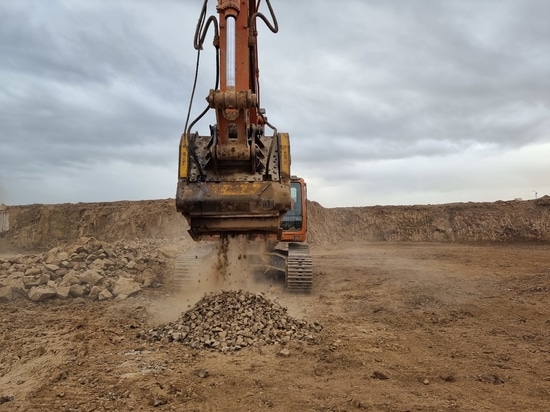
(41, 227)
(231, 320)
(510, 221)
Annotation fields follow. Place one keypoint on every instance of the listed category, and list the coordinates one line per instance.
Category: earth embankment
(36, 227)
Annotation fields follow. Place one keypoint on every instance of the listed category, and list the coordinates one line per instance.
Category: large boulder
(41, 293)
(91, 277)
(6, 294)
(126, 287)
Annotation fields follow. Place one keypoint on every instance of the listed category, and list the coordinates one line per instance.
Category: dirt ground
(407, 327)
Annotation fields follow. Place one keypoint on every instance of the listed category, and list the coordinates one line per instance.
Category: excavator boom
(234, 180)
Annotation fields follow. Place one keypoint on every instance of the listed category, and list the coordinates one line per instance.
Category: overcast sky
(386, 101)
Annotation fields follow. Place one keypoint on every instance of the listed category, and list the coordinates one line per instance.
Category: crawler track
(299, 277)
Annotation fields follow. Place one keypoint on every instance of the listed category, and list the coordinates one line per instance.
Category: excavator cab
(294, 224)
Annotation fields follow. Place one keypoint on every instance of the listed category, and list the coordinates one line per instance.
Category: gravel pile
(89, 269)
(231, 320)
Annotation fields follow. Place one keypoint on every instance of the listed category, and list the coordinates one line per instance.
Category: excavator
(235, 181)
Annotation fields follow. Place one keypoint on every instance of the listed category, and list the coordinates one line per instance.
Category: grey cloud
(360, 86)
(449, 72)
(82, 84)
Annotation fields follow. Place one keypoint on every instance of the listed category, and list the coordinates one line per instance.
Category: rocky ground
(232, 320)
(96, 323)
(89, 268)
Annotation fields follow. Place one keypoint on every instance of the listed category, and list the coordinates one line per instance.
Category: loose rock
(40, 293)
(379, 375)
(126, 287)
(89, 268)
(232, 320)
(6, 294)
(104, 295)
(91, 277)
(6, 398)
(285, 353)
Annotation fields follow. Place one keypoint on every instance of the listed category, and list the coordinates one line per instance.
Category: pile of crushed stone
(231, 320)
(87, 269)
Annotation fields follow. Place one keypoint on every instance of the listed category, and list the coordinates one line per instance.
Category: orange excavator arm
(235, 101)
(236, 180)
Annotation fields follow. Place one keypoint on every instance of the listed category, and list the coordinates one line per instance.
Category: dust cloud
(232, 263)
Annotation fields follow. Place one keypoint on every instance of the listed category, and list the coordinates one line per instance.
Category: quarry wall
(39, 227)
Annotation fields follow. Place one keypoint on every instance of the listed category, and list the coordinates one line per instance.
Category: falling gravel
(231, 320)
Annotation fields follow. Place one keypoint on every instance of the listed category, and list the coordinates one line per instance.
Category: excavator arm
(235, 180)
